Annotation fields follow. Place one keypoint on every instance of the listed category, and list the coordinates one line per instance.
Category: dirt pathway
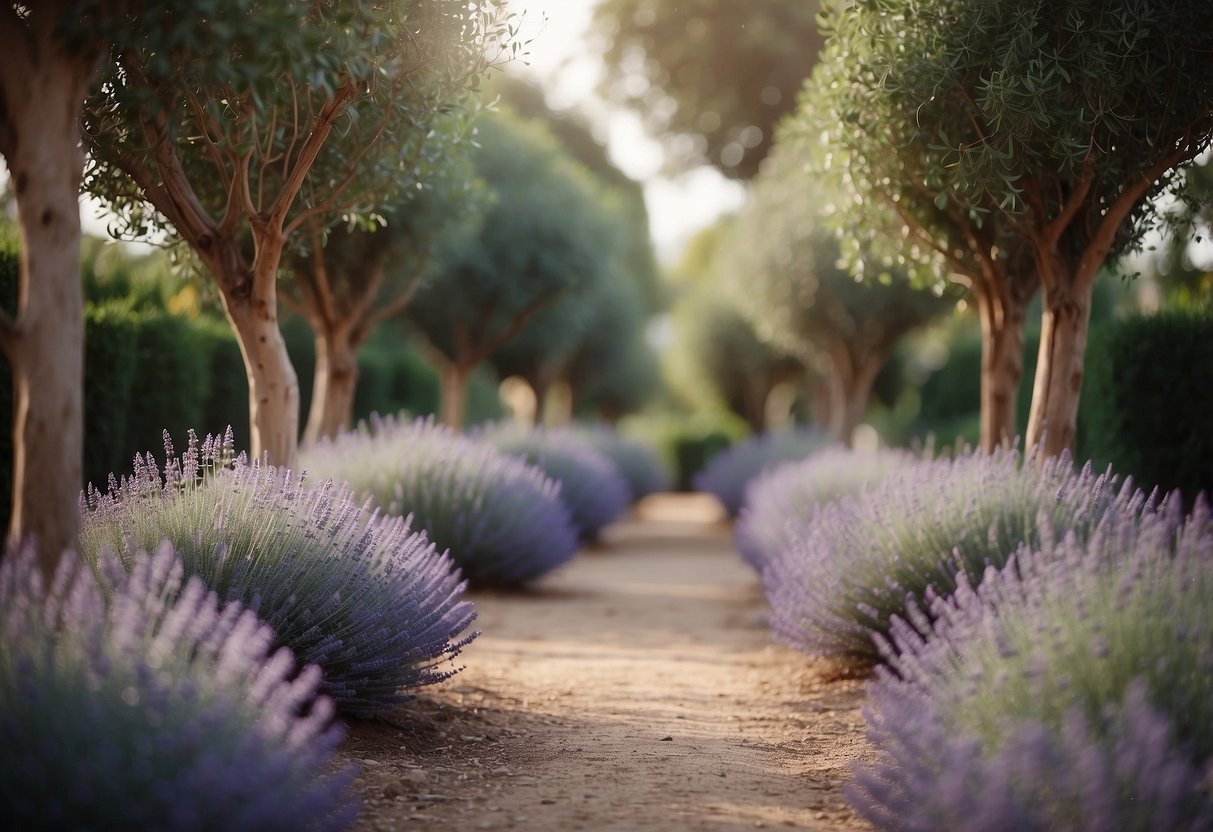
(636, 689)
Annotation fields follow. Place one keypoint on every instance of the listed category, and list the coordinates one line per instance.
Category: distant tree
(781, 265)
(635, 248)
(718, 361)
(347, 281)
(538, 242)
(234, 130)
(614, 371)
(1054, 125)
(50, 54)
(716, 75)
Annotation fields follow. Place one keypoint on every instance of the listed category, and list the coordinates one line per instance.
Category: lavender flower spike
(370, 601)
(140, 703)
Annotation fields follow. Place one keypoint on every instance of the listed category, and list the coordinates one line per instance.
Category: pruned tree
(1052, 125)
(538, 242)
(711, 76)
(894, 212)
(347, 281)
(50, 53)
(614, 371)
(781, 264)
(234, 128)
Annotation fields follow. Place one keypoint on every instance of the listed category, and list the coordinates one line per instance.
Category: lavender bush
(139, 703)
(861, 560)
(362, 596)
(640, 465)
(1071, 690)
(729, 472)
(502, 520)
(779, 503)
(590, 483)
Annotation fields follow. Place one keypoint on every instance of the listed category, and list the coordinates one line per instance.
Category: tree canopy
(539, 241)
(233, 128)
(716, 75)
(780, 264)
(1048, 127)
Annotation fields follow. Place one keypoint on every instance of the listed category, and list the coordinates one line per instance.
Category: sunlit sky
(559, 58)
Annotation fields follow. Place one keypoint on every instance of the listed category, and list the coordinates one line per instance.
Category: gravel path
(636, 689)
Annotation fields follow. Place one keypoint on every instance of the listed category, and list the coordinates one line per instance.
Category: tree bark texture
(43, 86)
(252, 310)
(454, 382)
(1002, 311)
(1065, 317)
(334, 384)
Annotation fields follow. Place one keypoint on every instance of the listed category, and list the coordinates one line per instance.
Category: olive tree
(781, 264)
(50, 54)
(349, 280)
(1050, 125)
(712, 76)
(538, 241)
(236, 127)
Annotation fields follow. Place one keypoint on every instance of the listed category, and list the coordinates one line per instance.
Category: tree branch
(323, 288)
(494, 343)
(1054, 229)
(1096, 252)
(322, 127)
(204, 127)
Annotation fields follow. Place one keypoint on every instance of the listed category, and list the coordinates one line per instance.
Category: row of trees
(318, 155)
(1007, 147)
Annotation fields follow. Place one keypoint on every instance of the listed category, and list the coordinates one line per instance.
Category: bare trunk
(335, 381)
(1059, 367)
(272, 383)
(836, 400)
(856, 395)
(454, 381)
(1002, 322)
(45, 341)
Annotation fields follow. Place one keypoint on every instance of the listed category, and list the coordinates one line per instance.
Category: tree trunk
(1002, 323)
(1059, 366)
(336, 379)
(273, 385)
(45, 341)
(856, 394)
(454, 380)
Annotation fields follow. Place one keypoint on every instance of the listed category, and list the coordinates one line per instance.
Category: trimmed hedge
(1148, 402)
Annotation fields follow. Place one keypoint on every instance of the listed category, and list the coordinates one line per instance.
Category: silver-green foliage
(363, 596)
(140, 702)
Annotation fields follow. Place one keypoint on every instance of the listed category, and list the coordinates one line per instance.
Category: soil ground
(635, 689)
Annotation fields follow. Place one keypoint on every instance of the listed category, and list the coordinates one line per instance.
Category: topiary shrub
(590, 483)
(861, 560)
(729, 472)
(369, 601)
(1137, 364)
(1071, 690)
(780, 502)
(502, 520)
(640, 465)
(140, 703)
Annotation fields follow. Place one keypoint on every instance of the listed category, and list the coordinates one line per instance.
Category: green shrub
(1148, 401)
(110, 349)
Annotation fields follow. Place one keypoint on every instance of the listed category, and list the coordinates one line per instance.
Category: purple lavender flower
(639, 464)
(729, 472)
(590, 483)
(780, 502)
(501, 519)
(140, 703)
(861, 560)
(362, 596)
(1070, 690)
